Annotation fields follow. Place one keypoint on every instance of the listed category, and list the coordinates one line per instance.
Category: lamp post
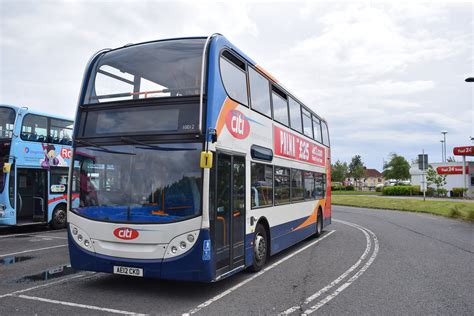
(442, 150)
(444, 144)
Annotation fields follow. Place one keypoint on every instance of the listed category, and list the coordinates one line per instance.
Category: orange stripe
(228, 106)
(312, 218)
(266, 73)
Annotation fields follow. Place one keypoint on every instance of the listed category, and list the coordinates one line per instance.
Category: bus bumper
(187, 267)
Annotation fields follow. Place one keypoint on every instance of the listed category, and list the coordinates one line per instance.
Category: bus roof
(28, 110)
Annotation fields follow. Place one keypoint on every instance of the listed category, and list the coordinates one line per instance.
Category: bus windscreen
(149, 183)
(7, 119)
(169, 68)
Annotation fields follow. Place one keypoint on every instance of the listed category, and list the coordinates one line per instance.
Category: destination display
(290, 145)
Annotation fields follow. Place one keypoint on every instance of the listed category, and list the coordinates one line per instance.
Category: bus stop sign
(423, 161)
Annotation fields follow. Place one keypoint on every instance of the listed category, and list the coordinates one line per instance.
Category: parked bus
(35, 149)
(191, 163)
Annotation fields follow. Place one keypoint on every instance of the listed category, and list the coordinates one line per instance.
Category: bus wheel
(319, 224)
(260, 249)
(59, 219)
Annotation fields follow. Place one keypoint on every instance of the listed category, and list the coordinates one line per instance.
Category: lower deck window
(261, 185)
(282, 185)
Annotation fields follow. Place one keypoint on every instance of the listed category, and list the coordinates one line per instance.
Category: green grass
(355, 193)
(463, 210)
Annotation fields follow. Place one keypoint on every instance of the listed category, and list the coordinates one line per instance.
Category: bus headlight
(81, 238)
(181, 244)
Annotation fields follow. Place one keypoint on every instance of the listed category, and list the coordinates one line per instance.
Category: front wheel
(260, 249)
(59, 219)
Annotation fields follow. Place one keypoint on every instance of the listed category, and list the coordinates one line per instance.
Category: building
(453, 172)
(370, 179)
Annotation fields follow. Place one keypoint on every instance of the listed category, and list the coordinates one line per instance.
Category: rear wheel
(319, 223)
(59, 219)
(260, 249)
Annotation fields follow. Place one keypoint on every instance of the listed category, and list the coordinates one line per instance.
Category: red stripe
(62, 197)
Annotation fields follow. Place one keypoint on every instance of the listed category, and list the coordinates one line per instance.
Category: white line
(328, 298)
(336, 281)
(31, 250)
(102, 309)
(238, 285)
(30, 234)
(44, 285)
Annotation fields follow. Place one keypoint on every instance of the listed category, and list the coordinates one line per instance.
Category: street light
(442, 150)
(444, 143)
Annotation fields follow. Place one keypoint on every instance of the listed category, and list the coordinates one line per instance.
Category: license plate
(128, 271)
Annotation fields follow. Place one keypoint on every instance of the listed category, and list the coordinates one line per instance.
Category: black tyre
(319, 224)
(59, 219)
(260, 249)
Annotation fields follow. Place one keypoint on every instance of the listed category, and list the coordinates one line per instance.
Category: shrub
(337, 187)
(401, 190)
(442, 192)
(458, 192)
(349, 188)
(430, 191)
(378, 189)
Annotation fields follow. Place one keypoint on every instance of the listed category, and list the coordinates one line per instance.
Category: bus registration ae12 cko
(128, 271)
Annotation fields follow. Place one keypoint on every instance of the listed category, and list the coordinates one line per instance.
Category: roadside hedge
(458, 192)
(401, 190)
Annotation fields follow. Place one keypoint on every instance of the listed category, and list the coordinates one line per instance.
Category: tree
(339, 171)
(396, 168)
(432, 177)
(356, 168)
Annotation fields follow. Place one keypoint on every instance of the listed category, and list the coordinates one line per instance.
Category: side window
(297, 185)
(295, 115)
(307, 126)
(282, 185)
(259, 93)
(325, 133)
(58, 180)
(280, 107)
(261, 185)
(319, 187)
(234, 77)
(317, 129)
(309, 185)
(61, 132)
(34, 128)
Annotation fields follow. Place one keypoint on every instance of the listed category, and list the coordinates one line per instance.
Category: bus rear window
(151, 70)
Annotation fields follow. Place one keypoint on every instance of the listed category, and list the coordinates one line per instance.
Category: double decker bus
(35, 149)
(191, 163)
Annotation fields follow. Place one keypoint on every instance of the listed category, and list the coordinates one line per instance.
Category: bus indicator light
(126, 233)
(237, 124)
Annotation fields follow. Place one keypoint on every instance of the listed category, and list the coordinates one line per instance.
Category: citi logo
(126, 233)
(237, 124)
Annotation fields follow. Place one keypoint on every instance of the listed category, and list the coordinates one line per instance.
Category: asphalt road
(367, 262)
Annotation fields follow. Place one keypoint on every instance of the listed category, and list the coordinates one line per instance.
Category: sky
(387, 75)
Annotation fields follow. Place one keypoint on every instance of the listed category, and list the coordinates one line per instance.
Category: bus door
(32, 200)
(228, 211)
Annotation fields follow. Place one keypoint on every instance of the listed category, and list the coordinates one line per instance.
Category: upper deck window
(7, 119)
(234, 77)
(307, 125)
(324, 127)
(280, 106)
(295, 115)
(43, 129)
(317, 129)
(259, 93)
(151, 70)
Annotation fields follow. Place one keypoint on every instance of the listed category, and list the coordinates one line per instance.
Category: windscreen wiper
(129, 140)
(102, 148)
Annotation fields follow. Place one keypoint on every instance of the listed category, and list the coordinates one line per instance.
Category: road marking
(368, 234)
(44, 285)
(238, 285)
(97, 308)
(31, 250)
(336, 281)
(328, 298)
(33, 234)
